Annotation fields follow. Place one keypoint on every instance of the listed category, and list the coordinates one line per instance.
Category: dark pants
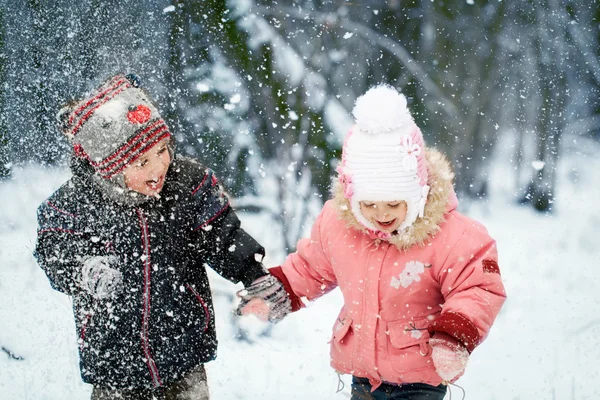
(192, 386)
(361, 390)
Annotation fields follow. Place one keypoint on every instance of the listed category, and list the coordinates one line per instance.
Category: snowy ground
(544, 345)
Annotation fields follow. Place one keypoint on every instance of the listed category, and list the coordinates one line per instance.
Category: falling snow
(263, 93)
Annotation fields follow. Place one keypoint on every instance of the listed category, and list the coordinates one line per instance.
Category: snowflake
(408, 153)
(416, 334)
(411, 274)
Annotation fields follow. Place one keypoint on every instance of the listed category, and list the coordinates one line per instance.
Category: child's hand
(449, 357)
(99, 279)
(256, 306)
(266, 298)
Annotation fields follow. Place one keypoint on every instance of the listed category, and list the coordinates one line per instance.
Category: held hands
(99, 279)
(266, 298)
(449, 357)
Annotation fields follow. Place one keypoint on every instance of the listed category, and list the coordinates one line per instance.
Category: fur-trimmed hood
(441, 199)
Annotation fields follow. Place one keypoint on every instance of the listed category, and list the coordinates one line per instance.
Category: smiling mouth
(386, 224)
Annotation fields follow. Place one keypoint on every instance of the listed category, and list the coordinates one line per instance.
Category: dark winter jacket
(160, 324)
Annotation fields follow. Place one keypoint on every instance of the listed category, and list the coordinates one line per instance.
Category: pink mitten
(449, 357)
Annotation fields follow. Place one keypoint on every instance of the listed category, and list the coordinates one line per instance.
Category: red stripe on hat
(128, 153)
(78, 111)
(125, 156)
(108, 160)
(105, 172)
(91, 111)
(135, 157)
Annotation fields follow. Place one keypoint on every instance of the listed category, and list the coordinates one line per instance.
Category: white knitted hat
(383, 158)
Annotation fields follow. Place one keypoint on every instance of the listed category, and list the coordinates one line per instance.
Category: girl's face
(387, 216)
(147, 174)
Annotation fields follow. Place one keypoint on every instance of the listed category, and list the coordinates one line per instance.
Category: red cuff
(277, 272)
(448, 340)
(459, 327)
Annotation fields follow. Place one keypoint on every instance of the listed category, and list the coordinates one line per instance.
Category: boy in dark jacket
(128, 237)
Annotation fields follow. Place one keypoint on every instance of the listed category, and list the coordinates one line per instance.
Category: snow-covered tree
(261, 90)
(4, 159)
(550, 64)
(253, 106)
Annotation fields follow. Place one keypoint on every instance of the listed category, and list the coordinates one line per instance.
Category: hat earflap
(62, 119)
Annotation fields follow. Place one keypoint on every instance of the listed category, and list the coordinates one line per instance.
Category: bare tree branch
(586, 51)
(12, 355)
(390, 45)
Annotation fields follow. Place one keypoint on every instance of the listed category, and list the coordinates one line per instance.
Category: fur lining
(440, 181)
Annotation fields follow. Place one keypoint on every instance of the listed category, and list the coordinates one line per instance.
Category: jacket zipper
(146, 300)
(360, 349)
(357, 342)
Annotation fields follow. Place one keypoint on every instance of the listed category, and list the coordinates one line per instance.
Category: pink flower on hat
(408, 153)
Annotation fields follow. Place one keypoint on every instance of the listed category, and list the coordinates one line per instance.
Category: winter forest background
(262, 91)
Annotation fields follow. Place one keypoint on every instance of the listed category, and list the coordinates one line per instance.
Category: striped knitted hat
(114, 125)
(383, 158)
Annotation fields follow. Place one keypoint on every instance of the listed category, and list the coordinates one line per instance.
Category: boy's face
(387, 216)
(147, 174)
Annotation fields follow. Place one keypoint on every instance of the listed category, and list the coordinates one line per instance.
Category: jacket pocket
(205, 311)
(83, 331)
(408, 344)
(341, 328)
(100, 343)
(341, 348)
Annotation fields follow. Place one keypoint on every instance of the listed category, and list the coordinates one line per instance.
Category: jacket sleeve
(61, 246)
(308, 271)
(472, 288)
(225, 246)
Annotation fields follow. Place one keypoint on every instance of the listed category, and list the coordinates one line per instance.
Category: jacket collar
(441, 200)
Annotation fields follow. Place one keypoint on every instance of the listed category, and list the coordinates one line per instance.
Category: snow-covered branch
(587, 52)
(394, 47)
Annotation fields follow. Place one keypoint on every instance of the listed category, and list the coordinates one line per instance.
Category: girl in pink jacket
(420, 281)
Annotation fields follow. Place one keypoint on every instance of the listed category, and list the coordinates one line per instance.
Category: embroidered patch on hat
(139, 114)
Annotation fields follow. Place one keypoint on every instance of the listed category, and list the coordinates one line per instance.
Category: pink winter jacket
(444, 277)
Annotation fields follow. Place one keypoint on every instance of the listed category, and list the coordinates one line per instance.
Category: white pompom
(382, 110)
